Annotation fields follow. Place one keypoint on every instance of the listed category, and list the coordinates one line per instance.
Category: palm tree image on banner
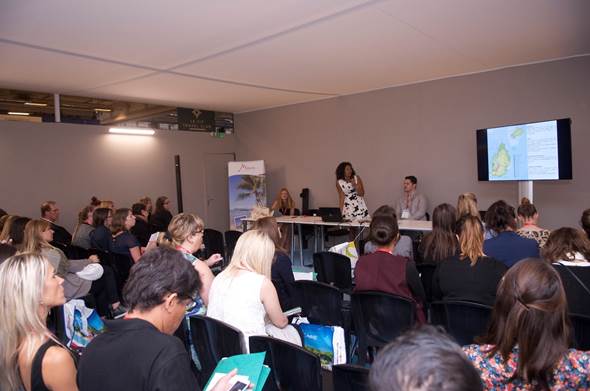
(247, 190)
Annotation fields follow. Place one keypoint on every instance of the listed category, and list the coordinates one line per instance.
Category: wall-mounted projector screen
(525, 152)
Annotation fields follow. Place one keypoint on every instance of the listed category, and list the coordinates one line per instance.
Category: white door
(216, 190)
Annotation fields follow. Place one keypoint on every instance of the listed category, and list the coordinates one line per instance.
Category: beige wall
(71, 163)
(427, 130)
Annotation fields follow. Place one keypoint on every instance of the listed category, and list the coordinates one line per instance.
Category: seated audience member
(108, 204)
(507, 247)
(470, 275)
(412, 205)
(284, 205)
(243, 294)
(32, 358)
(404, 246)
(123, 241)
(3, 220)
(585, 222)
(81, 276)
(382, 271)
(162, 215)
(17, 232)
(467, 205)
(6, 251)
(5, 234)
(281, 270)
(101, 238)
(186, 235)
(147, 201)
(529, 218)
(441, 243)
(424, 359)
(139, 352)
(142, 230)
(50, 212)
(526, 346)
(568, 250)
(2, 214)
(81, 236)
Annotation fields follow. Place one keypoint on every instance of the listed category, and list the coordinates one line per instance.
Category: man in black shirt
(139, 352)
(142, 230)
(50, 212)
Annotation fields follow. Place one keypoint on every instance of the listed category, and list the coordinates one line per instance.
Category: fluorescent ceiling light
(35, 104)
(103, 110)
(17, 113)
(144, 132)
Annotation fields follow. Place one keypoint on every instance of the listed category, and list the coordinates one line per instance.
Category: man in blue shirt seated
(507, 247)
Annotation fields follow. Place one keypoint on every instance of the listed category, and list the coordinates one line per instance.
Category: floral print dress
(354, 205)
(571, 373)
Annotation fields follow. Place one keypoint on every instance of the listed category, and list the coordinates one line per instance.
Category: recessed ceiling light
(103, 110)
(35, 104)
(134, 131)
(17, 113)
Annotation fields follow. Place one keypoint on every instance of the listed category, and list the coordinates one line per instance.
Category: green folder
(250, 365)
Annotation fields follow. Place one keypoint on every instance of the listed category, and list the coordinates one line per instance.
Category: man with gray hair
(424, 359)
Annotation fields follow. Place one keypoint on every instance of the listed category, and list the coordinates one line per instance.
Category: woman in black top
(470, 275)
(101, 238)
(162, 216)
(568, 250)
(29, 287)
(281, 271)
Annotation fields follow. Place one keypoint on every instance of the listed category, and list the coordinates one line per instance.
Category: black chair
(426, 271)
(333, 269)
(76, 252)
(213, 340)
(231, 238)
(292, 367)
(348, 377)
(463, 320)
(321, 303)
(213, 241)
(379, 318)
(581, 326)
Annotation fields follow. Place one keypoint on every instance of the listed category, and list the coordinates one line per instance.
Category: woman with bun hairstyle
(382, 271)
(529, 218)
(526, 345)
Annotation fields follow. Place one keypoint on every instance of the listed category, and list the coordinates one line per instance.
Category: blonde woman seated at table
(243, 294)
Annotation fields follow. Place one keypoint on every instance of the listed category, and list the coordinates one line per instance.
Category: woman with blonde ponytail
(31, 358)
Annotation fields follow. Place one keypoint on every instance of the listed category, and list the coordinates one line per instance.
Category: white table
(317, 223)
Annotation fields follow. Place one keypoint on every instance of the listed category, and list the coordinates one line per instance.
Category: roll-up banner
(247, 190)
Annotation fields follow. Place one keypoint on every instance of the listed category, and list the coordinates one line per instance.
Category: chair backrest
(463, 320)
(213, 241)
(321, 303)
(292, 367)
(348, 377)
(231, 238)
(213, 340)
(426, 271)
(76, 252)
(581, 325)
(379, 318)
(334, 269)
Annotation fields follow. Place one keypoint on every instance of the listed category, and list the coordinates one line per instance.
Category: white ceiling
(243, 55)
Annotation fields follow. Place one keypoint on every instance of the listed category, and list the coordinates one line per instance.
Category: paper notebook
(251, 369)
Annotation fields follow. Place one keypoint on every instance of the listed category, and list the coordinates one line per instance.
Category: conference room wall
(70, 163)
(427, 130)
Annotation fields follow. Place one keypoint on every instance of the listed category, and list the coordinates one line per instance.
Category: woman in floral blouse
(526, 347)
